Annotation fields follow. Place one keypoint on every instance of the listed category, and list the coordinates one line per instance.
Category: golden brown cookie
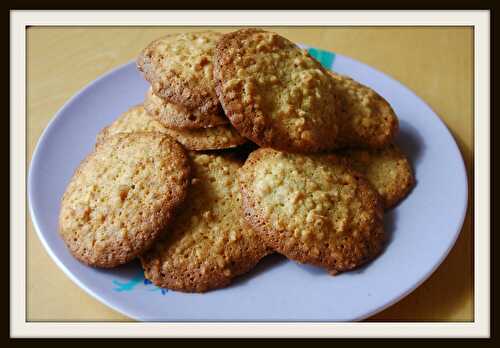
(367, 119)
(138, 120)
(209, 243)
(387, 169)
(122, 196)
(215, 138)
(135, 119)
(312, 209)
(179, 68)
(177, 116)
(275, 93)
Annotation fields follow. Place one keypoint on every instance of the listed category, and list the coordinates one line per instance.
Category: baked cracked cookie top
(368, 120)
(209, 243)
(275, 93)
(179, 68)
(387, 169)
(122, 196)
(312, 209)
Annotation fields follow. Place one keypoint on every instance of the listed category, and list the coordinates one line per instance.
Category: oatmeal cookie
(209, 243)
(312, 209)
(122, 196)
(275, 93)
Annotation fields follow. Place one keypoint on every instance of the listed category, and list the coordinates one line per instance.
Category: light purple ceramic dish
(422, 229)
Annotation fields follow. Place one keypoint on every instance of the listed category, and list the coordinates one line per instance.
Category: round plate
(422, 229)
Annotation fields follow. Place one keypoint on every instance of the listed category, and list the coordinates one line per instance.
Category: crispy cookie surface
(275, 93)
(209, 243)
(122, 196)
(177, 116)
(367, 119)
(179, 68)
(387, 169)
(214, 138)
(312, 209)
(135, 119)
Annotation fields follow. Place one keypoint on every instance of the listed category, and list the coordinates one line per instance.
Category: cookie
(275, 93)
(387, 169)
(122, 196)
(215, 138)
(209, 243)
(312, 209)
(177, 116)
(135, 119)
(179, 68)
(368, 120)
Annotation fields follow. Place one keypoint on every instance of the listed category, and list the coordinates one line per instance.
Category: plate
(422, 229)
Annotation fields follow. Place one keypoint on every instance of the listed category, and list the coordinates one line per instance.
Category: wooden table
(436, 63)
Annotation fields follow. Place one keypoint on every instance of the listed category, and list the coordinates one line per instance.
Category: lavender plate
(422, 229)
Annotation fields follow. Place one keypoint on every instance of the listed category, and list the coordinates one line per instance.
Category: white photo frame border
(479, 20)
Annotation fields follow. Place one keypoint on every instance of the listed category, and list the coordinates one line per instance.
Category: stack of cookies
(182, 94)
(245, 145)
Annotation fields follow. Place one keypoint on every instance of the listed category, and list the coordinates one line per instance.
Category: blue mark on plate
(134, 282)
(326, 58)
(129, 285)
